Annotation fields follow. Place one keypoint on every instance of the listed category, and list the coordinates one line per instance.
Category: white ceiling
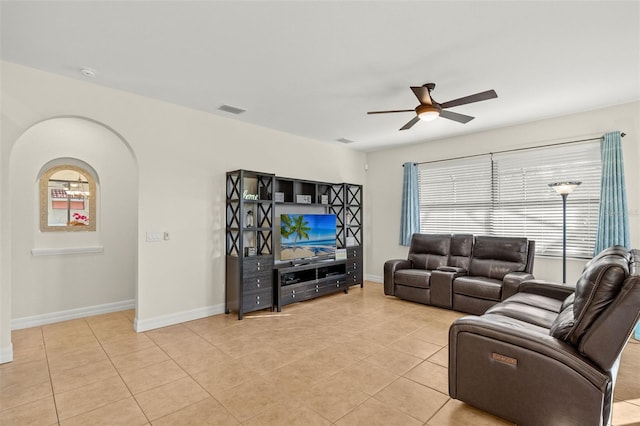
(315, 68)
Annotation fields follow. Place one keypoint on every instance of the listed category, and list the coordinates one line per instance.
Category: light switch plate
(155, 237)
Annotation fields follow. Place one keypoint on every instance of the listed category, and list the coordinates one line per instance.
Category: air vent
(345, 140)
(232, 109)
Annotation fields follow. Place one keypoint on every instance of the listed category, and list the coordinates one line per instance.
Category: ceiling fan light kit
(429, 110)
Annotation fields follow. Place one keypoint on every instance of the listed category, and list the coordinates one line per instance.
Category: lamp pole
(564, 189)
(564, 238)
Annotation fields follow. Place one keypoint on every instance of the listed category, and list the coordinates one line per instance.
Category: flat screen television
(307, 236)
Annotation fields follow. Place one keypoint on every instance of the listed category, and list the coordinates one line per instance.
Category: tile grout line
(53, 392)
(118, 372)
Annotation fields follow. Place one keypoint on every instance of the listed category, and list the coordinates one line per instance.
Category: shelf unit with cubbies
(249, 241)
(254, 278)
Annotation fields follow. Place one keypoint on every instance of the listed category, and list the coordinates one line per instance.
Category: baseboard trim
(6, 354)
(375, 278)
(53, 317)
(176, 318)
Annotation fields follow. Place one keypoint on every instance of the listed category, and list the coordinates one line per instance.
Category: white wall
(384, 176)
(58, 283)
(182, 158)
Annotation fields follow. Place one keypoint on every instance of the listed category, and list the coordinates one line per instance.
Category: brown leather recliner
(460, 271)
(550, 353)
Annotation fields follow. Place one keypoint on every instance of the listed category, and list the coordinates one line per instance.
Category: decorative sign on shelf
(303, 199)
(248, 196)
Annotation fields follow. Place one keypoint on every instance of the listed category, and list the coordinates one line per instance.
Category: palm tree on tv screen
(297, 227)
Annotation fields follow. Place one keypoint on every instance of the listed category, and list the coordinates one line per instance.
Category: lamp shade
(564, 188)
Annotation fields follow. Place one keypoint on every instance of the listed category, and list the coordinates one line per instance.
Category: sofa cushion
(413, 278)
(542, 302)
(495, 257)
(460, 252)
(527, 312)
(479, 287)
(429, 251)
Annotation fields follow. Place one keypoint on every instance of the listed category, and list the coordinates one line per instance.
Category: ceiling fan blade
(482, 96)
(387, 112)
(422, 93)
(410, 124)
(460, 118)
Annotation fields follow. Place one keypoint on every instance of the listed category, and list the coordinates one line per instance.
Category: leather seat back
(461, 248)
(429, 251)
(495, 257)
(599, 318)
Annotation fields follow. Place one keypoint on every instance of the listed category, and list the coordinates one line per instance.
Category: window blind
(525, 205)
(508, 194)
(455, 196)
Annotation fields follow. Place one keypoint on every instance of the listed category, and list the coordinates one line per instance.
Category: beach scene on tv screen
(307, 235)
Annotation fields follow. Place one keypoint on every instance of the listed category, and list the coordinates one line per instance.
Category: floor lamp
(564, 189)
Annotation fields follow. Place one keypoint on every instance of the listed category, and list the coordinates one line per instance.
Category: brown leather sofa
(549, 355)
(460, 271)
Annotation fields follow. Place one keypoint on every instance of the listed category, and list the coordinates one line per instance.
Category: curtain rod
(516, 149)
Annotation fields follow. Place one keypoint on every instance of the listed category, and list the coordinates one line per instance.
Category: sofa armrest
(524, 342)
(547, 288)
(442, 285)
(511, 282)
(390, 268)
(494, 360)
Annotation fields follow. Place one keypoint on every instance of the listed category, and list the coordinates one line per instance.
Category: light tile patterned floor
(356, 359)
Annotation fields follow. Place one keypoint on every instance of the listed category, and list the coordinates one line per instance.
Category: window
(518, 201)
(67, 199)
(456, 195)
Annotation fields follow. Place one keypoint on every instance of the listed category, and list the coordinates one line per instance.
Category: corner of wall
(6, 354)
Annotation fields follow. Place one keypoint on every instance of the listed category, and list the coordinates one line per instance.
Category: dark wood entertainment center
(255, 279)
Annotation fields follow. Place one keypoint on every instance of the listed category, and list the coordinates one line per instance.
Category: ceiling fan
(430, 110)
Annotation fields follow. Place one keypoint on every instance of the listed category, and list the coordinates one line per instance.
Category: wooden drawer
(258, 282)
(293, 293)
(257, 265)
(354, 277)
(337, 286)
(317, 289)
(352, 266)
(354, 252)
(335, 281)
(258, 300)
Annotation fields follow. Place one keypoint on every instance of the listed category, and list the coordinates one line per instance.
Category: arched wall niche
(54, 274)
